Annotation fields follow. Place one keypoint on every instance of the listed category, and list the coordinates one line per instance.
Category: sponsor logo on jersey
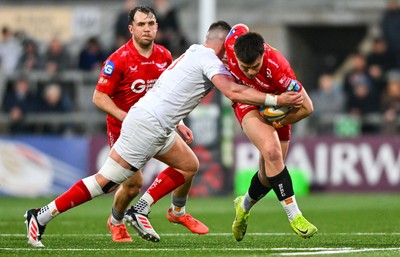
(160, 48)
(282, 80)
(262, 84)
(102, 81)
(133, 69)
(243, 106)
(151, 81)
(124, 53)
(273, 63)
(293, 86)
(230, 33)
(161, 65)
(258, 81)
(139, 86)
(287, 82)
(108, 68)
(147, 63)
(268, 72)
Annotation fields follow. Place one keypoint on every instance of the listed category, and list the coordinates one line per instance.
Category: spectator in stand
(377, 78)
(363, 102)
(18, 101)
(30, 59)
(328, 100)
(391, 104)
(357, 72)
(169, 33)
(380, 55)
(122, 34)
(92, 56)
(56, 58)
(391, 29)
(10, 51)
(53, 100)
(379, 61)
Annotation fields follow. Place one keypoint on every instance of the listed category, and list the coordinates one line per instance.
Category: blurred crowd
(22, 56)
(365, 98)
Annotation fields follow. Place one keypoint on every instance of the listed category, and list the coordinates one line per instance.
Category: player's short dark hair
(222, 25)
(248, 47)
(143, 9)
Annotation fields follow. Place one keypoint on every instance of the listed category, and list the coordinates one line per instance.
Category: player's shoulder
(160, 49)
(274, 56)
(199, 55)
(120, 53)
(203, 52)
(237, 30)
(123, 48)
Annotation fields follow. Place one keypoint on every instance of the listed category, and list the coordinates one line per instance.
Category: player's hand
(290, 98)
(186, 133)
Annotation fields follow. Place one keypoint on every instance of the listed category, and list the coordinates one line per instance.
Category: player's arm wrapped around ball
(272, 111)
(289, 114)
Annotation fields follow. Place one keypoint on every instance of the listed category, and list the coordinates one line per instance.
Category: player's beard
(145, 43)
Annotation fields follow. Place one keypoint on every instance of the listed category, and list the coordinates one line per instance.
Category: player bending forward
(255, 63)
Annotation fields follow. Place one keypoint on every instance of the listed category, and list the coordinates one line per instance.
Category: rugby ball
(273, 113)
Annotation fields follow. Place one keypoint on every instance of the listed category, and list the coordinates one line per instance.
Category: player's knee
(132, 189)
(190, 164)
(272, 154)
(114, 172)
(194, 166)
(189, 169)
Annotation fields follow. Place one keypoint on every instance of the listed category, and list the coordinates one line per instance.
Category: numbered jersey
(126, 76)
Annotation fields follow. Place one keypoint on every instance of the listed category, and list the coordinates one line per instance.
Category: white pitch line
(338, 251)
(221, 234)
(300, 251)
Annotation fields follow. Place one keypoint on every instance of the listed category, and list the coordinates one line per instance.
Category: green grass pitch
(349, 225)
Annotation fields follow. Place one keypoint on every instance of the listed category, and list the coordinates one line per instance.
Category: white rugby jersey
(181, 87)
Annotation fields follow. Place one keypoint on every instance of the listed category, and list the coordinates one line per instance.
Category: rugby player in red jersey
(126, 76)
(256, 64)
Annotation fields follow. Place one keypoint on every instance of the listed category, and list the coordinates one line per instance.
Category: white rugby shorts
(142, 137)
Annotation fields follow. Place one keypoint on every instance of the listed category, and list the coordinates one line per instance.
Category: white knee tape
(92, 186)
(115, 172)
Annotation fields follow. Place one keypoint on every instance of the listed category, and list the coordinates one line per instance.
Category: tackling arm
(290, 98)
(237, 92)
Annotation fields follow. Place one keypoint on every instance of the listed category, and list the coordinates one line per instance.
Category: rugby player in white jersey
(127, 75)
(177, 92)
